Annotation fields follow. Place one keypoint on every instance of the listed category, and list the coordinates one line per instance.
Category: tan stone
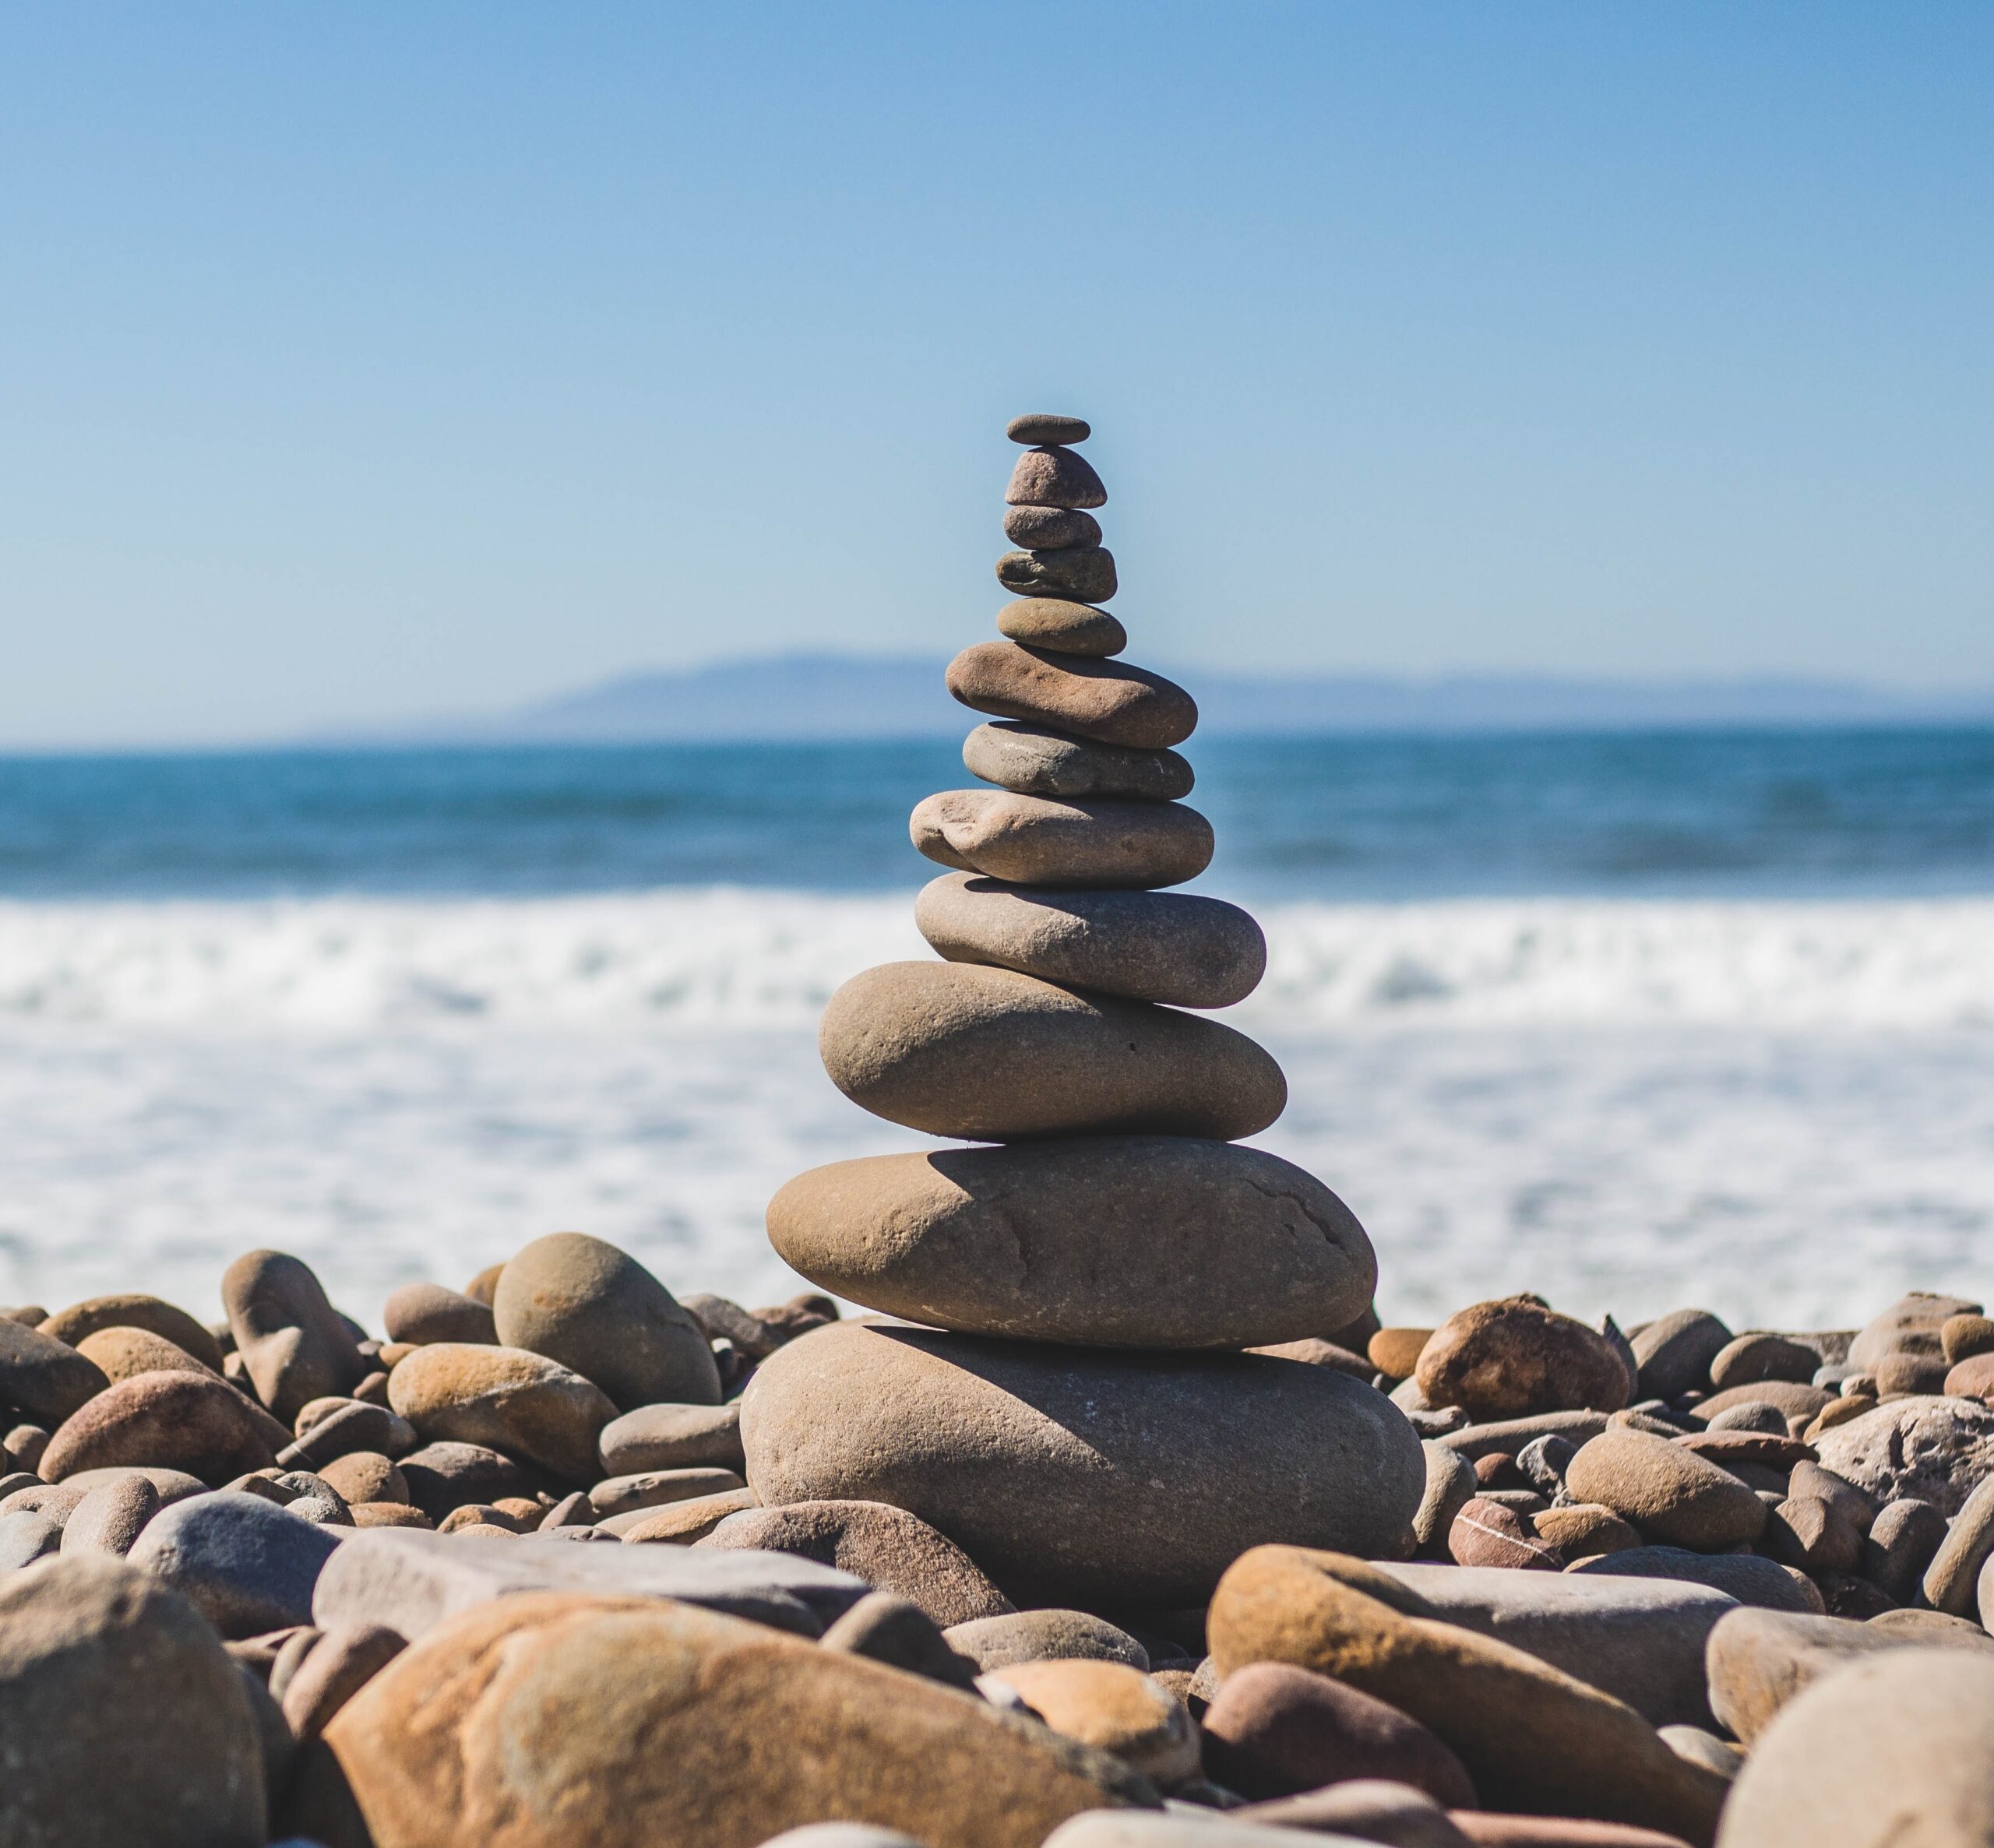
(1531, 1737)
(1109, 701)
(1167, 947)
(1116, 1710)
(1032, 840)
(188, 1421)
(1107, 1241)
(961, 1049)
(120, 1353)
(1673, 1496)
(1053, 477)
(1072, 1476)
(522, 1404)
(1396, 1352)
(648, 1724)
(131, 1309)
(1513, 1358)
(681, 1523)
(1058, 624)
(294, 1345)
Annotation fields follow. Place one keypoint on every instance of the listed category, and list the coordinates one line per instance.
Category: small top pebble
(1040, 427)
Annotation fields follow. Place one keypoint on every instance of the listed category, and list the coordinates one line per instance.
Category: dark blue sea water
(1680, 813)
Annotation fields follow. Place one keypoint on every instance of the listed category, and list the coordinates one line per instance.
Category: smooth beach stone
(1191, 1825)
(1275, 1730)
(885, 1546)
(597, 1310)
(172, 1485)
(426, 1312)
(1041, 427)
(28, 1535)
(672, 1437)
(1703, 1748)
(1511, 1434)
(1050, 476)
(192, 1422)
(1106, 1241)
(1806, 1532)
(1971, 1378)
(444, 1476)
(1032, 840)
(1759, 1660)
(1795, 1400)
(680, 1523)
(1585, 1530)
(1751, 1580)
(1485, 1533)
(132, 1310)
(340, 1663)
(110, 1517)
(884, 1626)
(124, 1720)
(1111, 702)
(1068, 1475)
(1363, 1809)
(366, 1476)
(1960, 1337)
(841, 1835)
(1913, 1324)
(1031, 761)
(1901, 1373)
(331, 1428)
(1046, 528)
(494, 1727)
(1640, 1640)
(1762, 1357)
(1171, 948)
(1674, 1497)
(1486, 1829)
(1901, 1543)
(246, 1564)
(388, 1513)
(1531, 1737)
(1116, 1710)
(1897, 1752)
(46, 1378)
(1673, 1354)
(657, 1488)
(995, 1643)
(1396, 1351)
(1450, 1486)
(963, 1049)
(1512, 1357)
(294, 1346)
(121, 1353)
(1937, 1450)
(1082, 574)
(522, 1404)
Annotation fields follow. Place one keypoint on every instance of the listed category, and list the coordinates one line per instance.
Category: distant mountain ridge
(833, 696)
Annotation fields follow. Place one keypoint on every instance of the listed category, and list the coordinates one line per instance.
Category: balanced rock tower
(1071, 1404)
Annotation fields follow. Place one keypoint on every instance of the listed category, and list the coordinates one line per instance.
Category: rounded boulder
(522, 1404)
(1032, 840)
(1122, 1242)
(1513, 1358)
(192, 1422)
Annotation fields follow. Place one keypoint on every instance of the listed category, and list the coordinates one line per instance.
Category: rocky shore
(1111, 1516)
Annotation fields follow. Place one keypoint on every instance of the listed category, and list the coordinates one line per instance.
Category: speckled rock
(721, 1733)
(1035, 840)
(992, 1240)
(885, 1546)
(1053, 476)
(1082, 574)
(187, 1421)
(1065, 1474)
(1895, 1753)
(522, 1404)
(1937, 1450)
(294, 1345)
(123, 1719)
(1513, 1357)
(1530, 1736)
(596, 1310)
(1039, 526)
(1171, 947)
(1674, 1497)
(133, 1310)
(961, 1049)
(1108, 701)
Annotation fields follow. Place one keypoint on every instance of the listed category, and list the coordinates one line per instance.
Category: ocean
(1633, 1020)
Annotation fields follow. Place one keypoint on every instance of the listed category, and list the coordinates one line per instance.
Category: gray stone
(1056, 623)
(27, 1536)
(596, 1310)
(1913, 1324)
(111, 1516)
(1040, 528)
(672, 1437)
(1169, 948)
(1104, 1241)
(1052, 476)
(1109, 701)
(884, 1626)
(1450, 1486)
(1761, 1356)
(1083, 573)
(967, 1049)
(1031, 761)
(1510, 1435)
(1032, 840)
(1893, 1753)
(1040, 427)
(410, 1580)
(1070, 1475)
(1673, 1354)
(1761, 1582)
(885, 1546)
(1364, 1809)
(1641, 1640)
(1937, 1450)
(1200, 1829)
(1046, 1635)
(123, 1719)
(246, 1564)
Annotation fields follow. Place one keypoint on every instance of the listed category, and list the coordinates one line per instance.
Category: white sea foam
(1784, 1109)
(734, 957)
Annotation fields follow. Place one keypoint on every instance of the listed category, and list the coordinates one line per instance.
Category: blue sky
(365, 361)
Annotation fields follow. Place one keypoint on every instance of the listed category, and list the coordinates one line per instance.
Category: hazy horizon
(368, 364)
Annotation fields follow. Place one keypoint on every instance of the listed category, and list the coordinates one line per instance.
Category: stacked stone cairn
(1069, 1397)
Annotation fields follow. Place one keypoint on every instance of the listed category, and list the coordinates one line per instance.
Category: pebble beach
(1078, 1495)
